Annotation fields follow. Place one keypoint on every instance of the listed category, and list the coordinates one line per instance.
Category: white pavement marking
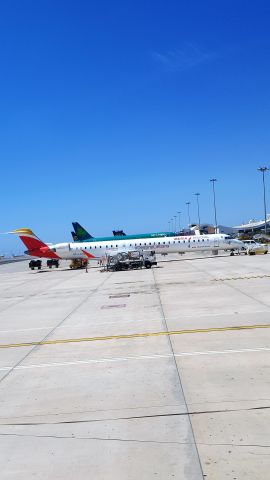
(141, 357)
(126, 321)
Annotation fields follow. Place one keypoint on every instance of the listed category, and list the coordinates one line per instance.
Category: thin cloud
(179, 60)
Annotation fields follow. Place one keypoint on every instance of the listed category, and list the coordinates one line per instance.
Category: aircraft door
(216, 243)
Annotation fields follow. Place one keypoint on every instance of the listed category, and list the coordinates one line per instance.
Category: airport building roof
(254, 225)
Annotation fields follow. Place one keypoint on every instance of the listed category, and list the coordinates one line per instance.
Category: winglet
(23, 231)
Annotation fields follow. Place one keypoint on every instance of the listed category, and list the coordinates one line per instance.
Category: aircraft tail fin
(119, 233)
(35, 246)
(74, 236)
(30, 240)
(80, 232)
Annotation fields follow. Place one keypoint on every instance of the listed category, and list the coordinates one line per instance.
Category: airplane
(96, 249)
(81, 235)
(119, 233)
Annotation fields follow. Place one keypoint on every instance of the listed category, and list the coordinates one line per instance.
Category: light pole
(263, 170)
(179, 214)
(169, 223)
(213, 180)
(175, 222)
(188, 204)
(198, 207)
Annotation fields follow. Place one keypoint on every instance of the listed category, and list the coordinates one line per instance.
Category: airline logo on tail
(35, 247)
(80, 233)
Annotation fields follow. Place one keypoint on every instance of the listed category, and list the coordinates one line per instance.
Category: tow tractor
(254, 248)
(129, 261)
(78, 263)
(35, 263)
(53, 262)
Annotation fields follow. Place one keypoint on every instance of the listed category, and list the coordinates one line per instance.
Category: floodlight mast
(213, 180)
(263, 170)
(198, 208)
(188, 204)
(179, 216)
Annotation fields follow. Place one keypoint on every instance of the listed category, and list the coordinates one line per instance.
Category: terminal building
(207, 228)
(254, 226)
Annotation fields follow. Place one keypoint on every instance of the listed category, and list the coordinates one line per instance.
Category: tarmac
(145, 374)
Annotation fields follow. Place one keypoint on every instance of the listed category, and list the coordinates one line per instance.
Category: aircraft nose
(239, 243)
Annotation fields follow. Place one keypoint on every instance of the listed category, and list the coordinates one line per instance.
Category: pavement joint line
(177, 369)
(30, 297)
(36, 344)
(135, 335)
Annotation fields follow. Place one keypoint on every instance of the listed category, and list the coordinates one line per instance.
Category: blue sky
(115, 113)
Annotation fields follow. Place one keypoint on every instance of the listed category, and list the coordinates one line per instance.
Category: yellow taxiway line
(135, 335)
(247, 277)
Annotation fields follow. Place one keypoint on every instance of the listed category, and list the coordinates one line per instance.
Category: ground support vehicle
(53, 262)
(241, 251)
(254, 248)
(129, 261)
(78, 263)
(35, 263)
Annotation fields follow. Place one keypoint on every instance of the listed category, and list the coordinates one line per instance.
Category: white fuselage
(92, 250)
